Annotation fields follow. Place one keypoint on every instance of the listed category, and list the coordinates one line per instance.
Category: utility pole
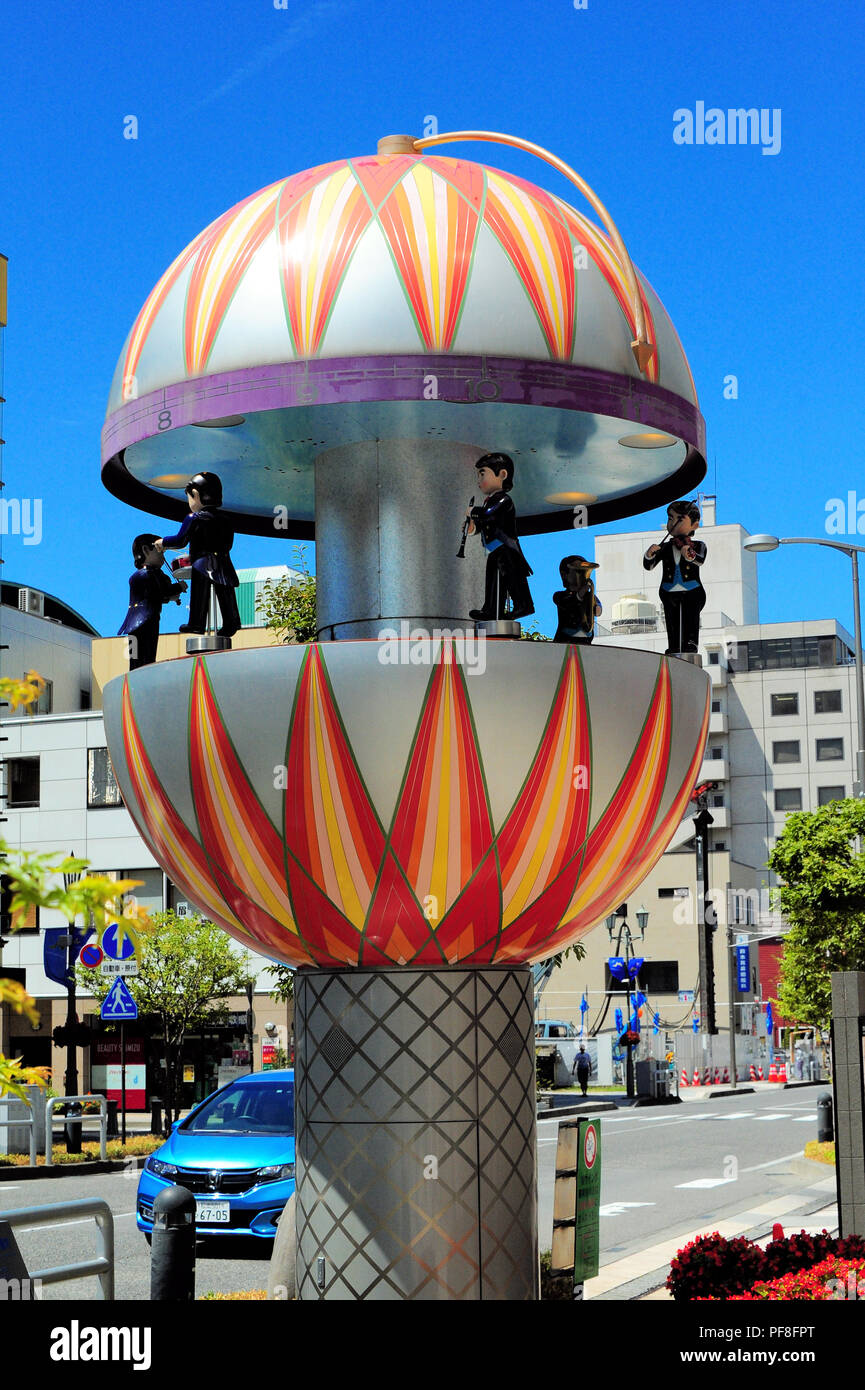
(706, 916)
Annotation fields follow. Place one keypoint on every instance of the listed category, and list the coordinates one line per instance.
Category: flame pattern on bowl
(439, 885)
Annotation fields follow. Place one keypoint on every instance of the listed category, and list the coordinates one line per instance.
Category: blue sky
(756, 257)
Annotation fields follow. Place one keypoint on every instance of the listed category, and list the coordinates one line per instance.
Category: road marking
(804, 1119)
(619, 1208)
(79, 1221)
(736, 1115)
(705, 1182)
(766, 1118)
(771, 1164)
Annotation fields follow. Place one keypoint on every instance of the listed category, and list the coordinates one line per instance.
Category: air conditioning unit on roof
(31, 601)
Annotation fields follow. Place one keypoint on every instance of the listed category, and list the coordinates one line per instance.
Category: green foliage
(187, 970)
(531, 634)
(283, 989)
(288, 608)
(821, 865)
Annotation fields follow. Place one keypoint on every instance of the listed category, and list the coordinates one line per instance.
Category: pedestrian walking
(582, 1068)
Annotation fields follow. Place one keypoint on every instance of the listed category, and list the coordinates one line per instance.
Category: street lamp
(761, 543)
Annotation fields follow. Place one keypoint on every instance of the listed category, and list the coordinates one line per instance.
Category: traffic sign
(118, 1004)
(587, 1243)
(116, 943)
(113, 968)
(55, 951)
(91, 955)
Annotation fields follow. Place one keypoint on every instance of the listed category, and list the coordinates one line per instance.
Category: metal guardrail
(24, 1124)
(102, 1266)
(52, 1105)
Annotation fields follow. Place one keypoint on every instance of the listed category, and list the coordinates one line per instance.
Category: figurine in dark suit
(576, 603)
(149, 589)
(496, 520)
(682, 594)
(210, 539)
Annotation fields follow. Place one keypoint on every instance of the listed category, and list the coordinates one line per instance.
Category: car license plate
(212, 1213)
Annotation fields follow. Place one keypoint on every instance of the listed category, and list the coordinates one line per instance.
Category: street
(674, 1168)
(664, 1170)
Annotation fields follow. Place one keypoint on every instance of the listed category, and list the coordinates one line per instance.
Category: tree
(35, 880)
(821, 865)
(283, 989)
(187, 970)
(288, 608)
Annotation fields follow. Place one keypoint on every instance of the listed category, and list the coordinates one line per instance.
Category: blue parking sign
(743, 968)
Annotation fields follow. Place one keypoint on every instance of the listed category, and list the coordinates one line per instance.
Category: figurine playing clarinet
(577, 605)
(681, 592)
(210, 540)
(149, 588)
(496, 520)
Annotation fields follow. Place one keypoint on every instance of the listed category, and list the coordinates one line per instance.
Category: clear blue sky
(757, 257)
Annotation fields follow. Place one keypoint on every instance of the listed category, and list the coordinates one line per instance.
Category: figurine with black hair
(496, 520)
(682, 594)
(210, 539)
(149, 588)
(576, 603)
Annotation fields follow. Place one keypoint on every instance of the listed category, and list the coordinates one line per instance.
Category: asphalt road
(673, 1168)
(664, 1170)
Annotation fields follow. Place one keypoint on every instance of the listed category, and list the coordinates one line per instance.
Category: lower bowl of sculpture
(437, 802)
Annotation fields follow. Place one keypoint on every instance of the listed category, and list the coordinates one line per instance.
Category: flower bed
(715, 1268)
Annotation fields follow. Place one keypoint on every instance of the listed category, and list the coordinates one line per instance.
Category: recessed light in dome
(651, 439)
(169, 480)
(223, 422)
(571, 499)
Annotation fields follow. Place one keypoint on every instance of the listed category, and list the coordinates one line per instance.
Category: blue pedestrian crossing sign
(116, 945)
(118, 1004)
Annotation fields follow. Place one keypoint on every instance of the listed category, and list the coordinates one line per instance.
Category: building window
(785, 653)
(716, 752)
(714, 658)
(788, 799)
(84, 701)
(102, 788)
(22, 782)
(829, 749)
(827, 701)
(719, 846)
(827, 794)
(718, 799)
(673, 892)
(716, 706)
(786, 752)
(659, 976)
(45, 703)
(785, 704)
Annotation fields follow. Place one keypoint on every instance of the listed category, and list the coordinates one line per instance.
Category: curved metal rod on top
(641, 347)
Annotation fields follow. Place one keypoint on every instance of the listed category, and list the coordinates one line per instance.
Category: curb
(562, 1112)
(65, 1170)
(657, 1278)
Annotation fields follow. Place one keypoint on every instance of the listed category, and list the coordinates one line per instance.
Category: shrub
(814, 1284)
(714, 1267)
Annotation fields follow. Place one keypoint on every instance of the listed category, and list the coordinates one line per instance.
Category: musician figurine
(210, 540)
(577, 605)
(681, 592)
(149, 588)
(496, 520)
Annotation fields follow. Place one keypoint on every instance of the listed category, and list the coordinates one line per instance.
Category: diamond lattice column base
(416, 1154)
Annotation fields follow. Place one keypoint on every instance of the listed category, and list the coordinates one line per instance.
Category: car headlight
(276, 1172)
(164, 1170)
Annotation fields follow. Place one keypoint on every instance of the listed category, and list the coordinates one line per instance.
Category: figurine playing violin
(682, 594)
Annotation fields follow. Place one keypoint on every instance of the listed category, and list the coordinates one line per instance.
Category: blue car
(235, 1152)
